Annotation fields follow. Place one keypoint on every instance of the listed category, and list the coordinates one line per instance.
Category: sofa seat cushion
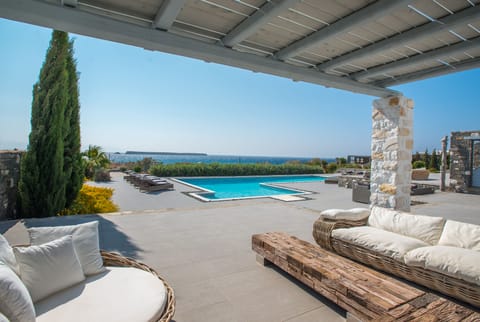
(425, 228)
(378, 240)
(117, 294)
(456, 262)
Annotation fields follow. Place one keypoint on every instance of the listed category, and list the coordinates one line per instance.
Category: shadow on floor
(111, 236)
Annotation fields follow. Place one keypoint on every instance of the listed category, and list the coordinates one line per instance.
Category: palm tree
(94, 158)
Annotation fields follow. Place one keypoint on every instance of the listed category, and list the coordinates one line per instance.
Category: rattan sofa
(345, 233)
(68, 278)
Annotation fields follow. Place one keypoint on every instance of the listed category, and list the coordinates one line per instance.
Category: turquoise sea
(177, 158)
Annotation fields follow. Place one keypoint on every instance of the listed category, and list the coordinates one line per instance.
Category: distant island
(165, 153)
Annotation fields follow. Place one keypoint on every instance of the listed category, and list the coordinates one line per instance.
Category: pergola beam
(432, 72)
(167, 14)
(426, 30)
(251, 24)
(103, 27)
(418, 59)
(373, 11)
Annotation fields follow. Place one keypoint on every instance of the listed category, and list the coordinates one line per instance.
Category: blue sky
(133, 99)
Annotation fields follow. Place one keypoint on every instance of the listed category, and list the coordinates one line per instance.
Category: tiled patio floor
(204, 249)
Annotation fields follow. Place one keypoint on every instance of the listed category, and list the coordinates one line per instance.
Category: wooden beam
(167, 14)
(426, 30)
(103, 27)
(251, 24)
(374, 11)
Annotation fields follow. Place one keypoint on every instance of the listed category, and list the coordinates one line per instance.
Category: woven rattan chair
(114, 259)
(457, 288)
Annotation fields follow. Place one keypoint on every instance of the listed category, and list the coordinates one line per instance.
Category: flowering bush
(92, 200)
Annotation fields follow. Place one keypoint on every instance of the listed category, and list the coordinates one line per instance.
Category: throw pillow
(6, 254)
(85, 241)
(15, 301)
(48, 268)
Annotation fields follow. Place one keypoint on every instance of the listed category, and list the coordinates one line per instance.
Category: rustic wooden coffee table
(363, 292)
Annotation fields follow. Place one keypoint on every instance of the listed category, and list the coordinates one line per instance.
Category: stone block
(388, 189)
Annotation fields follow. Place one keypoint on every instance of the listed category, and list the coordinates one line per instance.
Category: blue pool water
(245, 187)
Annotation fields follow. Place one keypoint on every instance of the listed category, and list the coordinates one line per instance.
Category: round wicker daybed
(114, 259)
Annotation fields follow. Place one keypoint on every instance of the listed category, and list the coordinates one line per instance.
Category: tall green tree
(434, 161)
(45, 171)
(73, 167)
(426, 157)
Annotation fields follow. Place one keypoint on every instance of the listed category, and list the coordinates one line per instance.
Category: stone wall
(9, 177)
(460, 161)
(392, 143)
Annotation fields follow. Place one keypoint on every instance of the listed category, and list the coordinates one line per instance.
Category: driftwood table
(363, 292)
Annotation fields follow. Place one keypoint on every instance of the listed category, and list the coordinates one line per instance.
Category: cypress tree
(434, 164)
(72, 156)
(426, 158)
(42, 183)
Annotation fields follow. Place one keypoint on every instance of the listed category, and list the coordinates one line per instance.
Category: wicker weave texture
(114, 259)
(322, 229)
(456, 288)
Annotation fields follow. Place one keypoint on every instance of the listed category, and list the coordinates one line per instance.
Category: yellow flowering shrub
(92, 200)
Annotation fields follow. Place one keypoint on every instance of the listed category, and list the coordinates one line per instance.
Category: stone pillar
(9, 177)
(443, 166)
(392, 143)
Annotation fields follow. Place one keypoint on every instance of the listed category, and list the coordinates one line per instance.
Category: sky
(134, 99)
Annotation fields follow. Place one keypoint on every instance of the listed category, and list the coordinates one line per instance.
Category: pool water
(245, 187)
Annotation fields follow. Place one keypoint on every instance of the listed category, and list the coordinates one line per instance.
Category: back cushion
(425, 228)
(460, 234)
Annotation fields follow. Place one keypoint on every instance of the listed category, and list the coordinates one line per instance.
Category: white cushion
(457, 262)
(85, 240)
(3, 318)
(425, 228)
(118, 294)
(6, 254)
(15, 301)
(379, 240)
(461, 234)
(346, 214)
(48, 268)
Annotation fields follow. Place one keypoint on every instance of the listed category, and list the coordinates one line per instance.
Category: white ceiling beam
(262, 16)
(432, 72)
(371, 12)
(418, 59)
(167, 14)
(102, 27)
(451, 21)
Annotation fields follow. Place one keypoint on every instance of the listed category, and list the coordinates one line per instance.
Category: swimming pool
(228, 188)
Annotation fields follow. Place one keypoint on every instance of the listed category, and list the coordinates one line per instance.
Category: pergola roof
(361, 46)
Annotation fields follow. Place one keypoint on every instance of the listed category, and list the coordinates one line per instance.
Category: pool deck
(204, 248)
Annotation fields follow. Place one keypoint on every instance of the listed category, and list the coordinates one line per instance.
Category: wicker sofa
(443, 255)
(64, 276)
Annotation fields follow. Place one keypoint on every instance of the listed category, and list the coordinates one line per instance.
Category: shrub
(331, 167)
(137, 169)
(91, 200)
(418, 164)
(220, 169)
(101, 175)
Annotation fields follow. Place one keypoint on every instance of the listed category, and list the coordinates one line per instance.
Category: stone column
(443, 167)
(392, 143)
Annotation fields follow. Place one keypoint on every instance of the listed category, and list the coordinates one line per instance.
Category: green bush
(418, 164)
(331, 168)
(220, 169)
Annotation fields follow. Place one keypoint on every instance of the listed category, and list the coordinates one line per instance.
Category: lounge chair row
(147, 183)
